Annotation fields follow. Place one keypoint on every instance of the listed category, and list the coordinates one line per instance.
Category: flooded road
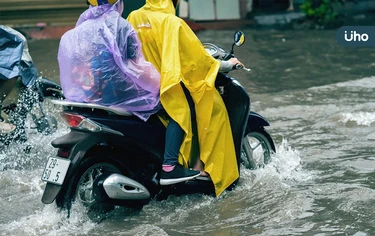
(319, 99)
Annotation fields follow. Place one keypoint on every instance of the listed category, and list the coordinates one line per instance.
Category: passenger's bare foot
(291, 8)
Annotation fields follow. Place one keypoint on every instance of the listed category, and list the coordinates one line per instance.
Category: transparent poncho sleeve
(142, 72)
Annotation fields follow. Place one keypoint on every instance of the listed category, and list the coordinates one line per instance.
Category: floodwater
(319, 99)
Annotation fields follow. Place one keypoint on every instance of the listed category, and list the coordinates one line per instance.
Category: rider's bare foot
(6, 128)
(200, 166)
(204, 173)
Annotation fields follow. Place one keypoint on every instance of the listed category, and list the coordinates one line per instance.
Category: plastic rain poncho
(15, 59)
(169, 43)
(101, 62)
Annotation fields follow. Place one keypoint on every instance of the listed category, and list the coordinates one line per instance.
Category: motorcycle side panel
(135, 131)
(237, 102)
(150, 133)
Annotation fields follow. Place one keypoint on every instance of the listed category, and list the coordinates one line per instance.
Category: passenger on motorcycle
(188, 76)
(16, 67)
(101, 62)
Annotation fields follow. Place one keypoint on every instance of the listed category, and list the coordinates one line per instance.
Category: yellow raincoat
(172, 47)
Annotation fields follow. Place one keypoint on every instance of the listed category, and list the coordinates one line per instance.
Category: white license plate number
(55, 170)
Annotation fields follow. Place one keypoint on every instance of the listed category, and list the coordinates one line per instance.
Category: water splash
(50, 221)
(364, 83)
(142, 230)
(31, 154)
(269, 195)
(285, 165)
(360, 118)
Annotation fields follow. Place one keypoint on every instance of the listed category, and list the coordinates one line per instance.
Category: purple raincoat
(101, 62)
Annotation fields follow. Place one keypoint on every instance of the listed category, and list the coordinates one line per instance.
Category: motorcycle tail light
(80, 122)
(72, 120)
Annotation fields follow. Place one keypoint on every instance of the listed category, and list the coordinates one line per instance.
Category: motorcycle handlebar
(241, 67)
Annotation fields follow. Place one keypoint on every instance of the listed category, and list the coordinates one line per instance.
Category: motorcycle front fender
(255, 120)
(80, 142)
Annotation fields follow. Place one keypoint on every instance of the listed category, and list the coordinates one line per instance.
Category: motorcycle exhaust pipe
(113, 186)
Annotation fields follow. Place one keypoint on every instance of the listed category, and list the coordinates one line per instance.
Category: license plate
(55, 170)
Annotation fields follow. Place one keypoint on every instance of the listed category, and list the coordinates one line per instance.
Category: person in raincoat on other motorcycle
(176, 52)
(16, 67)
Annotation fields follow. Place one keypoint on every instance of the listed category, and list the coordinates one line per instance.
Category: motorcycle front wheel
(257, 148)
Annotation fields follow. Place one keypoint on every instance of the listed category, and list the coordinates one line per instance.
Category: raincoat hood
(99, 11)
(165, 6)
(101, 62)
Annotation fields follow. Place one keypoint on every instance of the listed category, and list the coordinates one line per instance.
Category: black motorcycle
(111, 157)
(28, 101)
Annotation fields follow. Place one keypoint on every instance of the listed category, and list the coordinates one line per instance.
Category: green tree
(321, 12)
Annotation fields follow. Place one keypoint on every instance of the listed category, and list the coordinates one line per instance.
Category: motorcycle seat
(115, 110)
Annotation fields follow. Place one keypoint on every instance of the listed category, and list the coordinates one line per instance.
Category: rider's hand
(235, 61)
(227, 66)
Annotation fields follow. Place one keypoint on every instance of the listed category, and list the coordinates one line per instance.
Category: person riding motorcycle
(16, 67)
(188, 70)
(101, 62)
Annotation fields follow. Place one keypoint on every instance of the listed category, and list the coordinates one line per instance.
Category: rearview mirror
(239, 38)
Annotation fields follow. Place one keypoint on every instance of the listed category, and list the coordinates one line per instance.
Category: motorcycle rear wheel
(257, 148)
(80, 187)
